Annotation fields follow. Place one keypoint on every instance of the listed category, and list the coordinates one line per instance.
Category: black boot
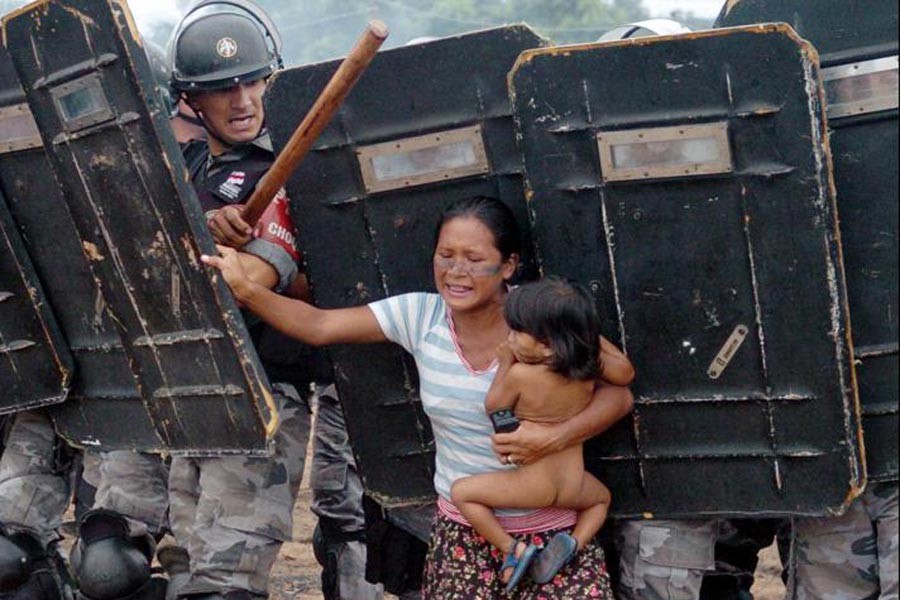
(29, 570)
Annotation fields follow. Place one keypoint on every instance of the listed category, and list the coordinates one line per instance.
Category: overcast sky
(154, 9)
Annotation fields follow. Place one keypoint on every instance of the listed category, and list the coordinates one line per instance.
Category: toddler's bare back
(548, 397)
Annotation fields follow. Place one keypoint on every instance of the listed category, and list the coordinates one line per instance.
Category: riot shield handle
(315, 121)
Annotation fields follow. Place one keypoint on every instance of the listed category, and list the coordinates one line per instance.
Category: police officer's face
(234, 115)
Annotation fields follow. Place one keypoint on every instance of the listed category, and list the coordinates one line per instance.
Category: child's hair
(562, 316)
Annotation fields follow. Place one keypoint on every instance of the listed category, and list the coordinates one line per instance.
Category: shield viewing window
(423, 159)
(18, 130)
(81, 103)
(679, 151)
(861, 87)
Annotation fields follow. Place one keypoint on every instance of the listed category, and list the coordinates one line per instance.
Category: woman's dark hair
(493, 214)
(562, 316)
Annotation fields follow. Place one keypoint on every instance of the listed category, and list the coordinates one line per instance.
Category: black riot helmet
(221, 43)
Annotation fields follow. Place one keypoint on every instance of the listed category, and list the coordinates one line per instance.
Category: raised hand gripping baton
(316, 120)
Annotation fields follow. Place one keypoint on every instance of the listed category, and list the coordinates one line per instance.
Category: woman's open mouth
(458, 290)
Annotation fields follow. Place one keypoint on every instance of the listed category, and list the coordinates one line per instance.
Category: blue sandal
(519, 564)
(556, 554)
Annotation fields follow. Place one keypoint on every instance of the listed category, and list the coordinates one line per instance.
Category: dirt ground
(296, 574)
(767, 584)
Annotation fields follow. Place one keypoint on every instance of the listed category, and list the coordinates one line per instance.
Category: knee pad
(28, 570)
(108, 562)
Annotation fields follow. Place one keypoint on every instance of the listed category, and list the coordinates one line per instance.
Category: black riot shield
(685, 181)
(140, 229)
(103, 376)
(35, 364)
(857, 43)
(426, 124)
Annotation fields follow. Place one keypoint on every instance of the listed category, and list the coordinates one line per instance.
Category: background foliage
(316, 30)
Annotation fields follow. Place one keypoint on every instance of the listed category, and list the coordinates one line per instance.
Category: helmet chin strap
(192, 119)
(210, 130)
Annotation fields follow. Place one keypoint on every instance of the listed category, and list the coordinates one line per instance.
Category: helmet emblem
(226, 47)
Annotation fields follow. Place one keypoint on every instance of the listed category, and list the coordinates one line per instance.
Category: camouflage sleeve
(275, 241)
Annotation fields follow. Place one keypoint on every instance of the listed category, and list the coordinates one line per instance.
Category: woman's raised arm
(305, 322)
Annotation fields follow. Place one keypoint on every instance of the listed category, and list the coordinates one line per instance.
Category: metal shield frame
(858, 45)
(725, 288)
(88, 84)
(363, 242)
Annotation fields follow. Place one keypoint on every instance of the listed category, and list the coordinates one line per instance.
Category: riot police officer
(130, 488)
(226, 94)
(231, 514)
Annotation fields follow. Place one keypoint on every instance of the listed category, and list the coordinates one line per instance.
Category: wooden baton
(316, 120)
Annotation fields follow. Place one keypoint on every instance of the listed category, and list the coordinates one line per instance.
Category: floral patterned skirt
(462, 565)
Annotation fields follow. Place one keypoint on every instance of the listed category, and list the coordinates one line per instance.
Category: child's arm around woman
(615, 368)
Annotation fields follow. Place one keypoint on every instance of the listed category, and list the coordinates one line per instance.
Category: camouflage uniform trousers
(233, 513)
(851, 557)
(34, 487)
(133, 484)
(337, 500)
(664, 560)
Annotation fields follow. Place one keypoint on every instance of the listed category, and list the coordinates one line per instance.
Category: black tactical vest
(230, 179)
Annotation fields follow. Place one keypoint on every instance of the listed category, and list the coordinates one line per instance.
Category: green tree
(316, 30)
(571, 21)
